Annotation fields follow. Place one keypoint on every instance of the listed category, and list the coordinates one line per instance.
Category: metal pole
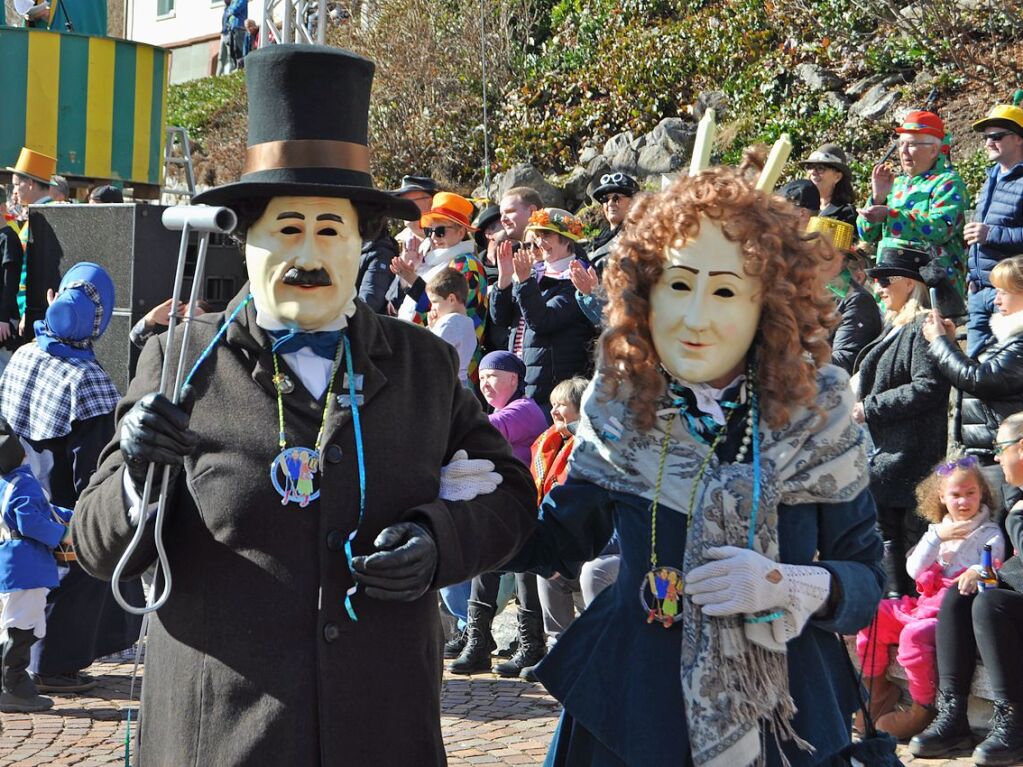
(321, 26)
(486, 133)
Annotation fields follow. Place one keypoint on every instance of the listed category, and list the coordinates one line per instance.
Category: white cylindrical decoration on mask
(775, 164)
(704, 143)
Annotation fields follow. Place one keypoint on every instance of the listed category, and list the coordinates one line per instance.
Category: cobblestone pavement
(486, 721)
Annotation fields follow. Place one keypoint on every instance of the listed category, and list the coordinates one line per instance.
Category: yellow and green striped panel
(98, 104)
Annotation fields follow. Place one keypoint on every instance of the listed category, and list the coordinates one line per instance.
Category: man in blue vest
(997, 229)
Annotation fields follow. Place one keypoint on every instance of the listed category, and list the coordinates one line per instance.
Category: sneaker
(75, 681)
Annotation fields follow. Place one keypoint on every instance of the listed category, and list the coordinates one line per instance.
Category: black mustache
(314, 277)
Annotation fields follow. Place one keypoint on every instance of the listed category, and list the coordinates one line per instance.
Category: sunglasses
(1001, 447)
(966, 462)
(996, 137)
(820, 166)
(616, 198)
(615, 178)
(885, 282)
(440, 231)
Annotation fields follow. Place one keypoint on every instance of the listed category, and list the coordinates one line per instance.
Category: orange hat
(923, 122)
(36, 165)
(448, 206)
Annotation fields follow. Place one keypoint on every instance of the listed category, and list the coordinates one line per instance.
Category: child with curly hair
(956, 500)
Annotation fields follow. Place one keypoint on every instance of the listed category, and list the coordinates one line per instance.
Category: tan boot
(882, 695)
(903, 725)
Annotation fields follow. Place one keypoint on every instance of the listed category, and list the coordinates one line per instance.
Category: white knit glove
(462, 479)
(743, 582)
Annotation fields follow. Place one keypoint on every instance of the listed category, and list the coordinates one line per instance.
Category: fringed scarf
(735, 688)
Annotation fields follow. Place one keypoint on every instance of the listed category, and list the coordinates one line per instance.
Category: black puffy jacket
(558, 339)
(989, 388)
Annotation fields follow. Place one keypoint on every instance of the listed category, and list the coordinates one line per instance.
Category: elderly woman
(60, 402)
(925, 207)
(537, 301)
(903, 400)
(990, 388)
(828, 168)
(520, 420)
(717, 441)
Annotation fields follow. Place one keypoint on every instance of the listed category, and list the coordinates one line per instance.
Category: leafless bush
(427, 107)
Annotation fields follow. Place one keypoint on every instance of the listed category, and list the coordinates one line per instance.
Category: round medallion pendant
(660, 593)
(295, 475)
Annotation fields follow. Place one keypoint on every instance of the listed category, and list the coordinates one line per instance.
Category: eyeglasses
(996, 137)
(819, 166)
(440, 231)
(915, 144)
(966, 462)
(885, 282)
(1001, 447)
(615, 178)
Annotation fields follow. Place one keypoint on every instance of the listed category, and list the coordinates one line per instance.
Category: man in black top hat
(305, 533)
(614, 195)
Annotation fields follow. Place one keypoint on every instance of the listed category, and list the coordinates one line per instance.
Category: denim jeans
(980, 305)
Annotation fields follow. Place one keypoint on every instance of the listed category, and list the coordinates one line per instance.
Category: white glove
(741, 581)
(462, 479)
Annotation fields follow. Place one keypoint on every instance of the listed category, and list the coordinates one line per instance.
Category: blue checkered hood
(42, 395)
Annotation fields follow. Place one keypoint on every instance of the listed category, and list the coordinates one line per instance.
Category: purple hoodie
(521, 421)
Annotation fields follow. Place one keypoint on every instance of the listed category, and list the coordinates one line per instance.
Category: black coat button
(335, 540)
(333, 454)
(331, 632)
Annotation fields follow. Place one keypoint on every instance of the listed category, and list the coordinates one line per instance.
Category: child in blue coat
(29, 532)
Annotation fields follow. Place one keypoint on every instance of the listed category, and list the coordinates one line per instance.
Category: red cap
(923, 122)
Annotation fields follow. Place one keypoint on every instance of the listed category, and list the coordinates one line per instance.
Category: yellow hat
(1002, 116)
(36, 165)
(838, 233)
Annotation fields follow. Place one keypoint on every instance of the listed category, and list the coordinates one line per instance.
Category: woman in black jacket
(903, 400)
(990, 388)
(537, 302)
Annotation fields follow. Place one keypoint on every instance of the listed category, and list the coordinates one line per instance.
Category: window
(164, 7)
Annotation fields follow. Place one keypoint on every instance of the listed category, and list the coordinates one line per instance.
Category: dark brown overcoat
(254, 660)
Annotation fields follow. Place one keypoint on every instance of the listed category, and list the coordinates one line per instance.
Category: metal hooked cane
(205, 220)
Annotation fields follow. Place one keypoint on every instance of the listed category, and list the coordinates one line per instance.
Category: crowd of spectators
(930, 333)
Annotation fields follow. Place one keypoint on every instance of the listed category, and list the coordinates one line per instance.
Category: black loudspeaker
(131, 243)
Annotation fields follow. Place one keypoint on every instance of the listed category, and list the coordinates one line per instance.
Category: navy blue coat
(1000, 207)
(27, 562)
(619, 676)
(558, 339)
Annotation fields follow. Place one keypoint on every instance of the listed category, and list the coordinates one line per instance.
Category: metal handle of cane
(187, 219)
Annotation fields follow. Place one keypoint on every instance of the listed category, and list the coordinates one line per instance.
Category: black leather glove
(404, 566)
(156, 431)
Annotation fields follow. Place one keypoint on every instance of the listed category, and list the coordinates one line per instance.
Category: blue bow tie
(323, 343)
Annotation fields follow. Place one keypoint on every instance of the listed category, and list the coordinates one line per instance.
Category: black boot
(532, 644)
(950, 730)
(892, 570)
(479, 641)
(454, 646)
(1004, 744)
(19, 695)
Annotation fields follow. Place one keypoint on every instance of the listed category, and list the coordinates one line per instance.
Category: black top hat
(308, 127)
(619, 182)
(417, 184)
(900, 262)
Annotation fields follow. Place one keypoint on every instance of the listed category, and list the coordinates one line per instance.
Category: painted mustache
(317, 278)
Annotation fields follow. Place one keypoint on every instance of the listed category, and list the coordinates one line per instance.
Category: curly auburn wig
(928, 492)
(792, 340)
